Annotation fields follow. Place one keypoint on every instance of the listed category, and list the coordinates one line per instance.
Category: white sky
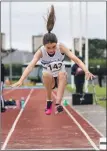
(27, 20)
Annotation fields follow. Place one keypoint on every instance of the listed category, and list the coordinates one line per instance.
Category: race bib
(55, 66)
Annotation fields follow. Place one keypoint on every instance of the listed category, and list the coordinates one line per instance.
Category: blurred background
(81, 26)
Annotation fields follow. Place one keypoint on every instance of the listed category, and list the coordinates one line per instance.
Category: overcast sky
(27, 20)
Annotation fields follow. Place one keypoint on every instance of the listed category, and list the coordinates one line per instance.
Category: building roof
(19, 57)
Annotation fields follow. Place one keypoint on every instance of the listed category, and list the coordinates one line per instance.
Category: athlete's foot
(48, 109)
(58, 108)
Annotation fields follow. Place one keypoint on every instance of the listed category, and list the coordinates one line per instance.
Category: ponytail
(50, 37)
(51, 19)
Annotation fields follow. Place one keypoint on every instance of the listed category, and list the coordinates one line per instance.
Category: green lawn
(100, 93)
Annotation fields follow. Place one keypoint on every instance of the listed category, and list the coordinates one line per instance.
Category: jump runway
(31, 129)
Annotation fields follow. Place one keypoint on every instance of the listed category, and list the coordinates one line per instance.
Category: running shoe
(48, 110)
(58, 109)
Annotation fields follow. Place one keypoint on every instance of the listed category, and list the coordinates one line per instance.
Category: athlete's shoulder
(62, 46)
(41, 47)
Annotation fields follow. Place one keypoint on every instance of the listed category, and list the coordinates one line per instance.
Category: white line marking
(80, 114)
(58, 149)
(87, 121)
(83, 131)
(15, 122)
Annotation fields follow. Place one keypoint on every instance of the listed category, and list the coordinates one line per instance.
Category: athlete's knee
(62, 75)
(46, 75)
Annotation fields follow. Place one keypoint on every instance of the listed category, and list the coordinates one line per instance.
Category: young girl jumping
(51, 55)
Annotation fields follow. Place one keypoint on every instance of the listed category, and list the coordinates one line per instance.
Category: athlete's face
(51, 48)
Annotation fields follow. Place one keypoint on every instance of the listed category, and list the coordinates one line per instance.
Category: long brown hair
(51, 18)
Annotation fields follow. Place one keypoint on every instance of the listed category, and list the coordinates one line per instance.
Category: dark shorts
(56, 83)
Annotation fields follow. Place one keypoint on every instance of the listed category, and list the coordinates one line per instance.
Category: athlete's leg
(48, 82)
(62, 81)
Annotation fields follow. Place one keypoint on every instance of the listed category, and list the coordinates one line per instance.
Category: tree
(96, 48)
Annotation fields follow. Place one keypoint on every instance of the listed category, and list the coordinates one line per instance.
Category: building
(3, 41)
(2, 46)
(18, 57)
(76, 43)
(36, 42)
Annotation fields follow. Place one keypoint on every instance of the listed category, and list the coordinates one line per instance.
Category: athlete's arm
(66, 51)
(31, 65)
(29, 68)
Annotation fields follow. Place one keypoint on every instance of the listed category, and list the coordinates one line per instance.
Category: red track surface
(35, 130)
(7, 118)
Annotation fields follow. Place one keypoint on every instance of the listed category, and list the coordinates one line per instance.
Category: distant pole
(10, 38)
(72, 39)
(80, 39)
(86, 45)
(32, 44)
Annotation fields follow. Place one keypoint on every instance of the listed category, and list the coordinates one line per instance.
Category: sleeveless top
(52, 64)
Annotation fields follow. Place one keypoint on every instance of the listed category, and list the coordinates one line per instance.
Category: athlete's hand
(17, 84)
(89, 75)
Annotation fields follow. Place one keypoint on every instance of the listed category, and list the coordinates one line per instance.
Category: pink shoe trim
(48, 111)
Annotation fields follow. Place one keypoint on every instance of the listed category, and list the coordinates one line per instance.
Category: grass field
(100, 93)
